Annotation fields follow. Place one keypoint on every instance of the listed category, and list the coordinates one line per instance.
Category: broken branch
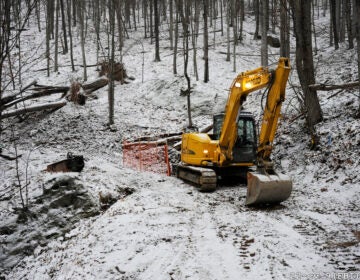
(332, 87)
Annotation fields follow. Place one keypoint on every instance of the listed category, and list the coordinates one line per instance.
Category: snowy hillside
(160, 227)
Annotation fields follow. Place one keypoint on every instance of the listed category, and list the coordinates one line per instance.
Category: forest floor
(160, 227)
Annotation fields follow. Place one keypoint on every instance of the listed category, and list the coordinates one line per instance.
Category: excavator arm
(275, 97)
(244, 84)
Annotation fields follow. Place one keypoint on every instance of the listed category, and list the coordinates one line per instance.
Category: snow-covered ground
(166, 229)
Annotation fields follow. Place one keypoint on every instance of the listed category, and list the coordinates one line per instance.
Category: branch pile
(119, 71)
(76, 93)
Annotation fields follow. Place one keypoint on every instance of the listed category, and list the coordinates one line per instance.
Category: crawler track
(204, 178)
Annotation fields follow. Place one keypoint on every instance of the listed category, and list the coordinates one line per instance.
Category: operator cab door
(245, 146)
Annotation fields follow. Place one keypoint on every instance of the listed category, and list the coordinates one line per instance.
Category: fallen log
(42, 107)
(91, 87)
(325, 87)
(10, 98)
(38, 93)
(50, 89)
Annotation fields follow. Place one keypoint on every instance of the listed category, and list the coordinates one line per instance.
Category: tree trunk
(194, 39)
(257, 19)
(242, 18)
(263, 26)
(63, 20)
(37, 11)
(304, 61)
(274, 18)
(357, 11)
(184, 14)
(157, 23)
(206, 41)
(56, 66)
(112, 61)
(284, 29)
(313, 26)
(234, 19)
(70, 35)
(133, 3)
(171, 27)
(347, 7)
(48, 7)
(151, 21)
(221, 18)
(228, 16)
(145, 17)
(82, 35)
(119, 24)
(176, 38)
(334, 23)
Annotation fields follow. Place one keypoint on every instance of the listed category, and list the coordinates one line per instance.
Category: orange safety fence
(147, 156)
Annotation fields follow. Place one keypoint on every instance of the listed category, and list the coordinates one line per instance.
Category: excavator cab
(246, 144)
(244, 150)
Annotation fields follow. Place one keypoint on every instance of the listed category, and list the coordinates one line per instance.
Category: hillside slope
(166, 229)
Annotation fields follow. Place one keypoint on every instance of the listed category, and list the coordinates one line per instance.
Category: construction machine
(233, 148)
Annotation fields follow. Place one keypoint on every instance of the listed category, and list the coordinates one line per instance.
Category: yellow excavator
(233, 148)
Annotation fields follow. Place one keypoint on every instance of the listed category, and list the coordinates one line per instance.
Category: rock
(54, 213)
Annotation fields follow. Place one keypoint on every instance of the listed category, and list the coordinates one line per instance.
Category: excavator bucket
(267, 189)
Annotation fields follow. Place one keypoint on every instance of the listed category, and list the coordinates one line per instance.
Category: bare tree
(357, 16)
(176, 37)
(194, 27)
(228, 22)
(234, 21)
(63, 21)
(70, 35)
(206, 41)
(56, 66)
(184, 11)
(263, 26)
(284, 29)
(347, 8)
(157, 23)
(81, 10)
(257, 19)
(48, 33)
(111, 61)
(171, 25)
(334, 23)
(304, 62)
